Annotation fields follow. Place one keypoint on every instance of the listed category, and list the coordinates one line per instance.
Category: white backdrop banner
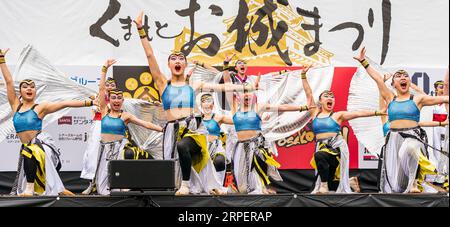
(77, 36)
(397, 33)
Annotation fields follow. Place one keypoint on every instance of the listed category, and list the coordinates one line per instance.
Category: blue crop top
(178, 97)
(325, 125)
(247, 121)
(27, 121)
(114, 126)
(404, 110)
(212, 126)
(386, 128)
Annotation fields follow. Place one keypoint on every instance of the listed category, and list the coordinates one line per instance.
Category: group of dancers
(204, 153)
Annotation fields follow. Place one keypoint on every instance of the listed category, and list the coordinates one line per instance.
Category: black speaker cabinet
(142, 175)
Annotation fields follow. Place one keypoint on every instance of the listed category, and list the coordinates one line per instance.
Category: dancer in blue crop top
(331, 149)
(41, 173)
(251, 150)
(178, 101)
(405, 110)
(115, 143)
(405, 145)
(89, 163)
(219, 155)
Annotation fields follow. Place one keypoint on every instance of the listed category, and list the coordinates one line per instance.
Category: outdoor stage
(293, 192)
(285, 200)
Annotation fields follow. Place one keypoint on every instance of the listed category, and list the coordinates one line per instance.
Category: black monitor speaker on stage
(142, 177)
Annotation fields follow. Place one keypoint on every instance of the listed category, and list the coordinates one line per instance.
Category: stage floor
(284, 200)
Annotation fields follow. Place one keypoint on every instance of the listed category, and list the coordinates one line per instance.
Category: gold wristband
(2, 59)
(104, 69)
(226, 67)
(142, 33)
(303, 76)
(304, 108)
(88, 103)
(365, 63)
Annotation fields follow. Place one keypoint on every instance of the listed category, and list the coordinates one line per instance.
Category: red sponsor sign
(66, 120)
(296, 151)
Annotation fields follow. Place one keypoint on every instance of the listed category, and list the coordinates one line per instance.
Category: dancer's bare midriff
(106, 138)
(178, 113)
(247, 135)
(27, 136)
(326, 135)
(401, 124)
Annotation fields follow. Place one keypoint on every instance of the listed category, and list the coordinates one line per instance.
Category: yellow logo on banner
(293, 40)
(142, 87)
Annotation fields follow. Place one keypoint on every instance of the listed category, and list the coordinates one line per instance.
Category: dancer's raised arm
(157, 75)
(10, 90)
(309, 92)
(387, 95)
(102, 87)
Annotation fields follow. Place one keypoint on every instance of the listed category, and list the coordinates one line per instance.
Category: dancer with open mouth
(405, 162)
(39, 161)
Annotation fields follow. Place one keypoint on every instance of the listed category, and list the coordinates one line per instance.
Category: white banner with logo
(77, 36)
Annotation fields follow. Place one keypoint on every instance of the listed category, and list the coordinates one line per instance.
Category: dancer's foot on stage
(25, 195)
(323, 188)
(184, 189)
(29, 190)
(354, 184)
(88, 190)
(67, 193)
(217, 192)
(415, 188)
(271, 190)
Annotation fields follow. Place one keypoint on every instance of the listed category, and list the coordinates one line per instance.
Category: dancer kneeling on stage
(184, 136)
(113, 133)
(331, 158)
(39, 161)
(405, 162)
(253, 162)
(212, 123)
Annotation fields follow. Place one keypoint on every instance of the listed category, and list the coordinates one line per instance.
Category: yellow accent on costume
(269, 161)
(198, 162)
(116, 92)
(223, 138)
(262, 175)
(138, 153)
(323, 148)
(142, 33)
(445, 186)
(39, 154)
(425, 168)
